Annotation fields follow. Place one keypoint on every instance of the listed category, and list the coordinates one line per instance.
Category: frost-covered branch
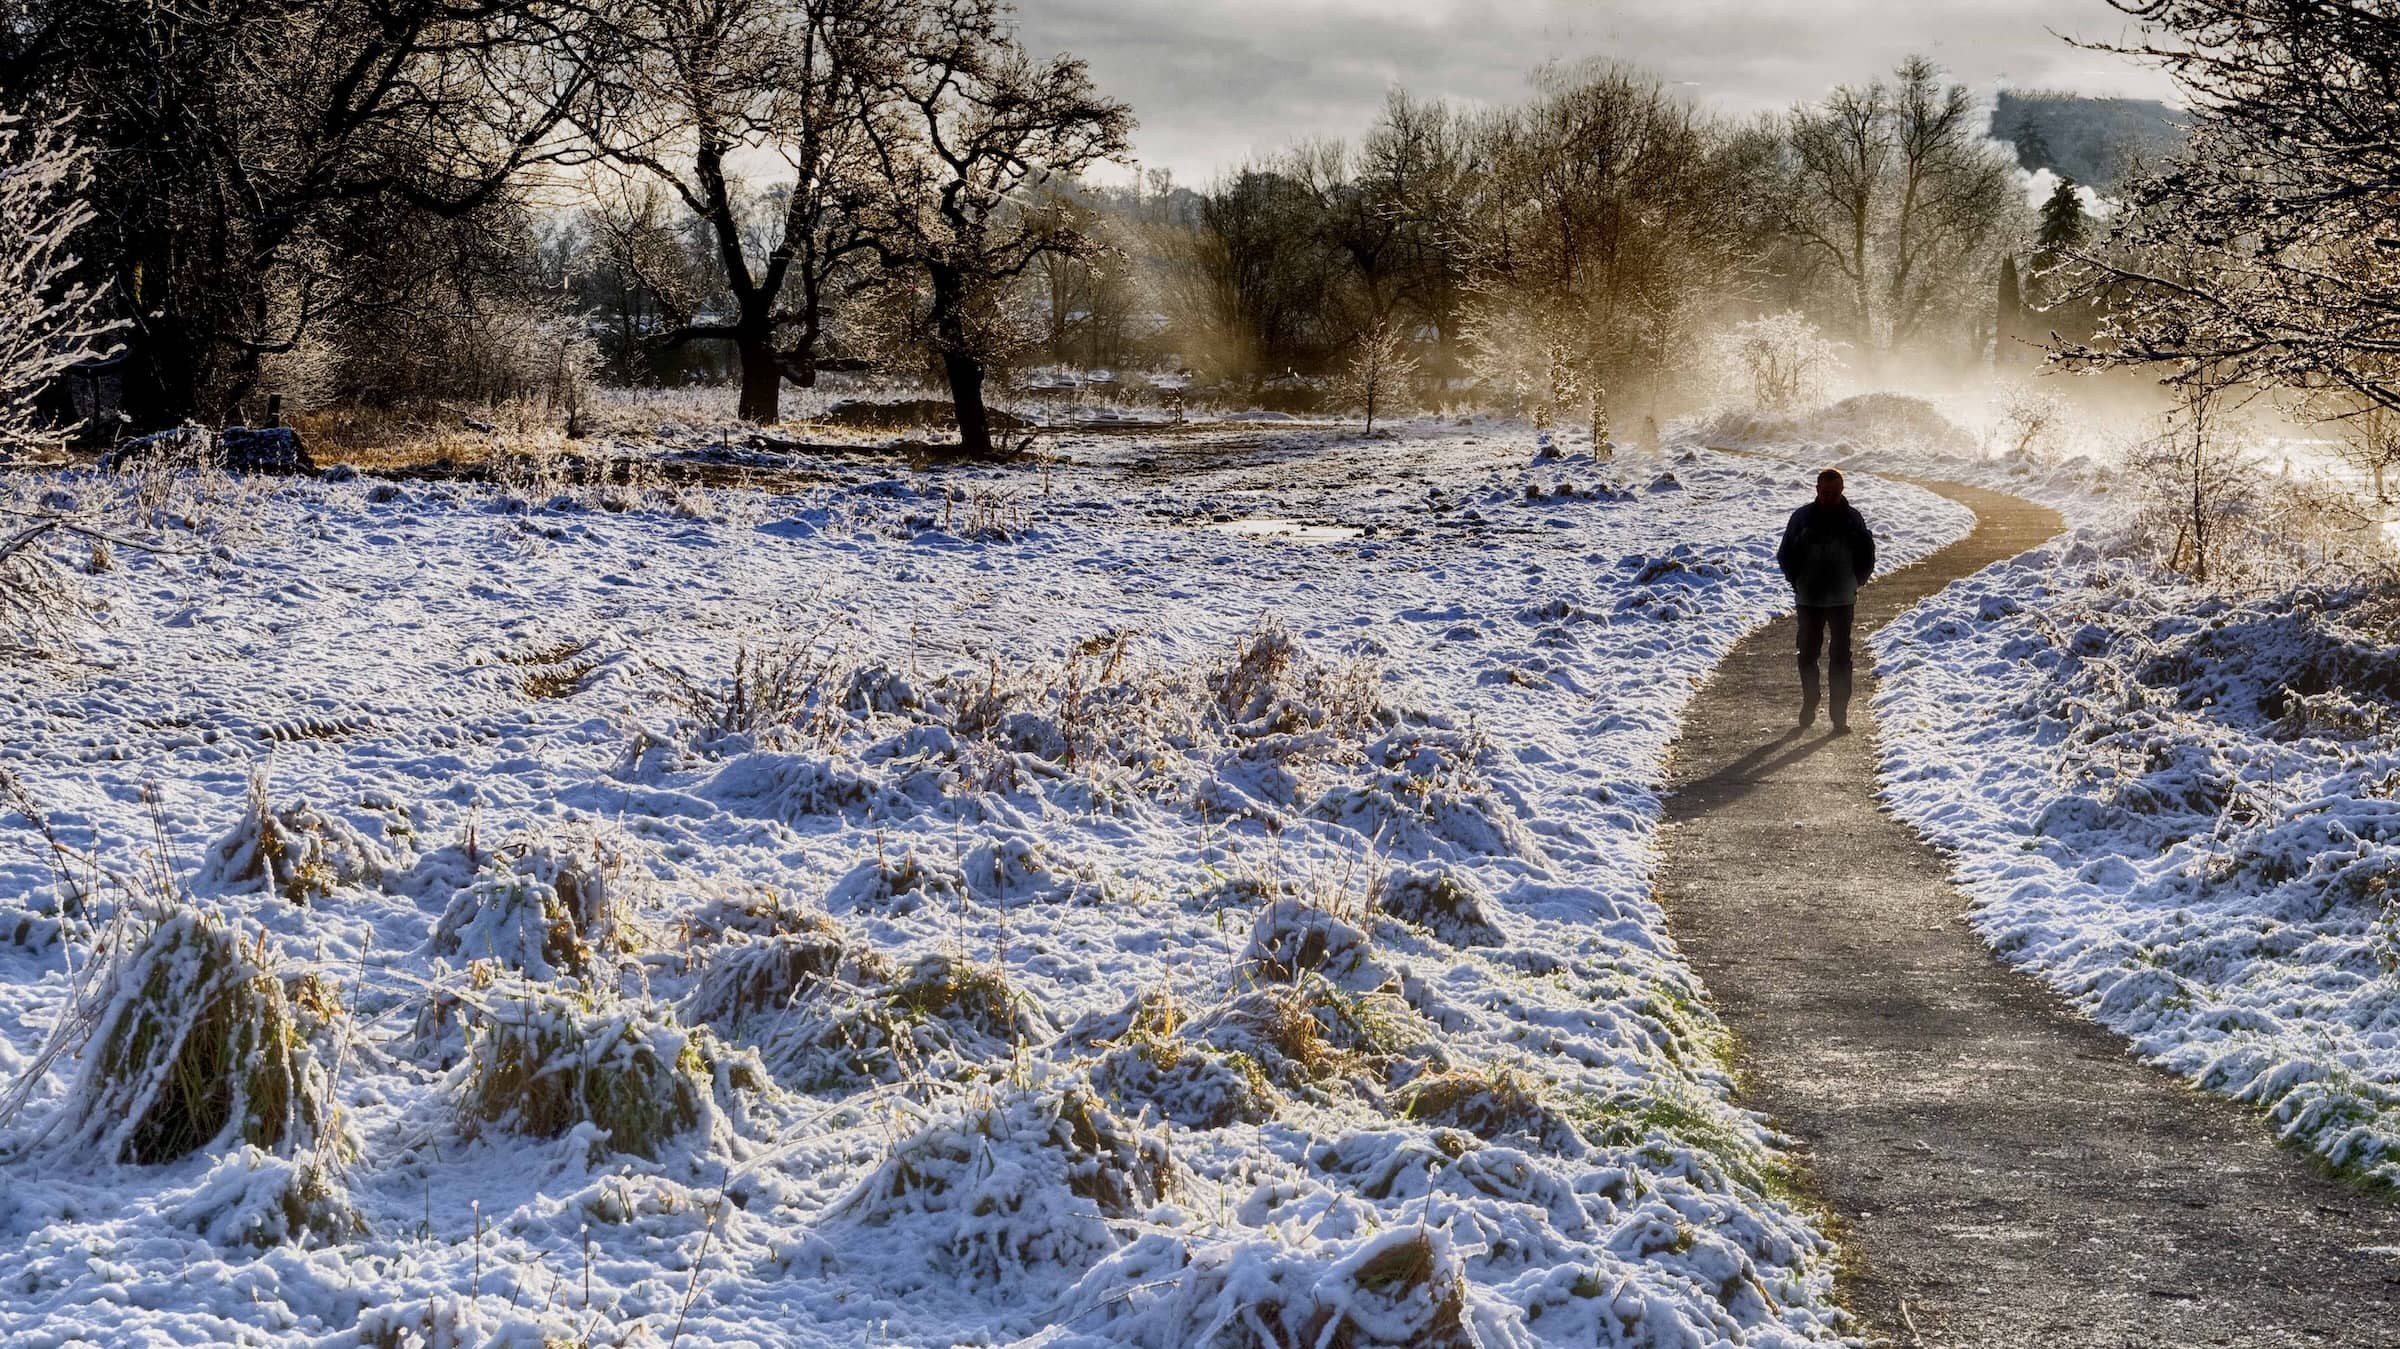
(47, 317)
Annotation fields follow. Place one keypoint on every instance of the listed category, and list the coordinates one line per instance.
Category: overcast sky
(1215, 81)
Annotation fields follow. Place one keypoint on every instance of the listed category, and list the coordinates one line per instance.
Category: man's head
(1829, 487)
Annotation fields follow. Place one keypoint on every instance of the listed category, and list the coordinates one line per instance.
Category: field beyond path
(2005, 1172)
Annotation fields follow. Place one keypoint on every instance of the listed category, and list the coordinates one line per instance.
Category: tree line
(373, 200)
(344, 188)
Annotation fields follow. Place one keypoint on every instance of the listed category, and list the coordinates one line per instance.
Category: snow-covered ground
(2171, 803)
(965, 907)
(2178, 808)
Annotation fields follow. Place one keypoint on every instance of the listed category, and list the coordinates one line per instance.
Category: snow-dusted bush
(1443, 900)
(298, 852)
(1154, 1068)
(544, 1060)
(195, 1046)
(1034, 1178)
(1492, 1104)
(47, 321)
(552, 907)
(748, 982)
(1778, 363)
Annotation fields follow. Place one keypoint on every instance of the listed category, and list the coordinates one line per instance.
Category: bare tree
(46, 320)
(244, 148)
(1412, 168)
(2265, 252)
(1952, 202)
(975, 129)
(1377, 371)
(709, 86)
(1844, 149)
(1602, 232)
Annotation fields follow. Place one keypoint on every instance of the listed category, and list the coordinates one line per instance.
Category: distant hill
(2095, 141)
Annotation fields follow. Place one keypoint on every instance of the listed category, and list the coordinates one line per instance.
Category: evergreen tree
(2064, 225)
(2011, 320)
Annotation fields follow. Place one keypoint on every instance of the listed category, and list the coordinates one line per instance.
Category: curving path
(2003, 1172)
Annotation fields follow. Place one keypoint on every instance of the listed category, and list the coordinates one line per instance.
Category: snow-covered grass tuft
(298, 852)
(1033, 1177)
(1493, 1103)
(543, 1061)
(550, 906)
(1443, 900)
(196, 1046)
(751, 983)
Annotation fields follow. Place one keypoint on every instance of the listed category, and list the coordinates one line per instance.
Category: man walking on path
(1827, 554)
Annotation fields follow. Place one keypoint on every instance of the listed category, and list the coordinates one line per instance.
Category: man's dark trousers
(1817, 622)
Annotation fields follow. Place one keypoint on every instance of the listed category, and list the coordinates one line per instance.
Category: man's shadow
(1741, 777)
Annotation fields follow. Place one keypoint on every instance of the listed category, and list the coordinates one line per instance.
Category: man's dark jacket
(1827, 554)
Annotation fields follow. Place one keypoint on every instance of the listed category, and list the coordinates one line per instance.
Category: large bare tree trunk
(966, 399)
(960, 364)
(762, 381)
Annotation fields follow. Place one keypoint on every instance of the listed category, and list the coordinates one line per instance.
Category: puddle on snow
(1285, 529)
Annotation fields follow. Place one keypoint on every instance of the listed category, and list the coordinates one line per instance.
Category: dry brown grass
(544, 1060)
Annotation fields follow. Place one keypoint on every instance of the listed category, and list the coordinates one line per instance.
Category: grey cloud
(1214, 81)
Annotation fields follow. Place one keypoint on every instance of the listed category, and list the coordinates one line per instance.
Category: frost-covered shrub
(1269, 685)
(1032, 1179)
(299, 851)
(1777, 363)
(548, 907)
(1153, 1067)
(1314, 1038)
(1492, 1104)
(252, 1197)
(1292, 940)
(778, 695)
(195, 1046)
(746, 982)
(544, 1060)
(1443, 900)
(2029, 422)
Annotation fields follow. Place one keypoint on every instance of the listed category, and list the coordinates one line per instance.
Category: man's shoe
(1841, 727)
